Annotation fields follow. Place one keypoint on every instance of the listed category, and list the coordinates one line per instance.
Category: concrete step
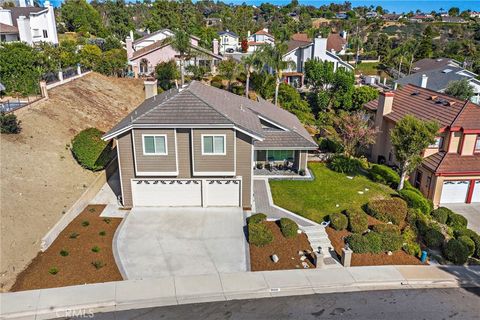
(318, 239)
(312, 228)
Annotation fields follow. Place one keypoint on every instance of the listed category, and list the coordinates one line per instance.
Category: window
(213, 144)
(45, 34)
(437, 144)
(154, 145)
(418, 179)
(280, 155)
(477, 144)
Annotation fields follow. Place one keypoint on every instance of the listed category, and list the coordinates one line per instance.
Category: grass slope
(318, 198)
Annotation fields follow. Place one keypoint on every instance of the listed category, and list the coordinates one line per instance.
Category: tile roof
(301, 37)
(443, 162)
(202, 104)
(7, 29)
(438, 79)
(263, 32)
(335, 42)
(469, 118)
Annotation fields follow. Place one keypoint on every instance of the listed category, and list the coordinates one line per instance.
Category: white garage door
(476, 192)
(454, 191)
(167, 193)
(222, 193)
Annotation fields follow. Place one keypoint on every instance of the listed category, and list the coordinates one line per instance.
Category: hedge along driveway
(318, 198)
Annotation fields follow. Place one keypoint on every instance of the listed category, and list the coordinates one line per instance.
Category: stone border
(78, 206)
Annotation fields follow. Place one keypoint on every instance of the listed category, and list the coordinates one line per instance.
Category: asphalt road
(437, 304)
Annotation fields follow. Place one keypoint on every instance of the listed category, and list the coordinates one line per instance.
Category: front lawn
(318, 198)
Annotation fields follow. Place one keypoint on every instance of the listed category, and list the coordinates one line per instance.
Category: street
(409, 304)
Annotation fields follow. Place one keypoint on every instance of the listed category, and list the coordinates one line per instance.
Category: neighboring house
(450, 171)
(259, 39)
(475, 14)
(301, 49)
(31, 25)
(199, 146)
(228, 41)
(439, 79)
(430, 64)
(18, 3)
(371, 14)
(391, 17)
(337, 43)
(453, 20)
(341, 15)
(146, 52)
(421, 18)
(213, 22)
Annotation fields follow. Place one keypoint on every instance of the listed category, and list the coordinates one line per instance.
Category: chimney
(150, 88)
(424, 81)
(23, 25)
(215, 46)
(248, 34)
(129, 46)
(319, 47)
(385, 103)
(265, 29)
(131, 35)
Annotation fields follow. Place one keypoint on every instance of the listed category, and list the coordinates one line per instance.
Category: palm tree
(272, 58)
(181, 43)
(251, 63)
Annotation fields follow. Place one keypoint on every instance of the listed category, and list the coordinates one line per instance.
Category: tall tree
(410, 137)
(80, 16)
(250, 64)
(181, 43)
(354, 133)
(272, 57)
(229, 69)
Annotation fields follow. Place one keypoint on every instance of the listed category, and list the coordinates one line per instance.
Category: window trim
(156, 153)
(224, 136)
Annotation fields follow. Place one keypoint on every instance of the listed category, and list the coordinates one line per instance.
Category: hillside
(40, 178)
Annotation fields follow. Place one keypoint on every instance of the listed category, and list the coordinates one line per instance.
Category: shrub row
(375, 242)
(416, 200)
(288, 227)
(388, 210)
(383, 174)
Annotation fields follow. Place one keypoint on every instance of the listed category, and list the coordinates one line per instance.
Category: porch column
(135, 71)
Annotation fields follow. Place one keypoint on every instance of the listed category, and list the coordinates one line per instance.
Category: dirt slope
(39, 177)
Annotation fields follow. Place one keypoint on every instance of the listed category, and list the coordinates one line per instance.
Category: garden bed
(70, 260)
(285, 248)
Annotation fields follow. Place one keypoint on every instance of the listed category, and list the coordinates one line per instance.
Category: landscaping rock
(390, 253)
(303, 258)
(275, 258)
(305, 265)
(360, 192)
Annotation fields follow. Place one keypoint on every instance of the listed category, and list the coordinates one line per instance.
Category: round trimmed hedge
(456, 251)
(416, 200)
(468, 243)
(288, 227)
(441, 214)
(457, 221)
(90, 151)
(339, 221)
(259, 235)
(388, 210)
(472, 235)
(357, 220)
(433, 238)
(369, 243)
(383, 174)
(256, 218)
(386, 228)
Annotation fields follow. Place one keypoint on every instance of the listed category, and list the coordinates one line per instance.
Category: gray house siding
(126, 166)
(213, 163)
(155, 163)
(245, 166)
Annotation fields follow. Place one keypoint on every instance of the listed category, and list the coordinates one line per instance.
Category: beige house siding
(126, 166)
(454, 142)
(184, 153)
(468, 144)
(155, 163)
(383, 145)
(213, 163)
(245, 166)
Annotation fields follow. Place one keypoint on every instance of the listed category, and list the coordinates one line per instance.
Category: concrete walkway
(470, 211)
(264, 204)
(173, 290)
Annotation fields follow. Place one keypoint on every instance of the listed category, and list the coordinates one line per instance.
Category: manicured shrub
(107, 220)
(388, 210)
(288, 227)
(96, 249)
(441, 214)
(369, 243)
(433, 238)
(357, 220)
(90, 151)
(386, 228)
(64, 253)
(468, 243)
(256, 218)
(9, 123)
(390, 241)
(259, 235)
(85, 223)
(338, 221)
(410, 244)
(456, 251)
(472, 235)
(456, 221)
(415, 200)
(98, 264)
(53, 270)
(102, 233)
(383, 174)
(74, 235)
(343, 164)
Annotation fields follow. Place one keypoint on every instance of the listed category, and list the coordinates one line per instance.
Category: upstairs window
(437, 144)
(154, 145)
(477, 144)
(213, 144)
(45, 34)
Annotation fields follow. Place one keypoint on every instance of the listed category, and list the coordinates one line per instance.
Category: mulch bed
(399, 257)
(285, 248)
(75, 268)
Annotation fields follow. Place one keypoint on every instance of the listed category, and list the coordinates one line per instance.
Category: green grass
(318, 198)
(367, 68)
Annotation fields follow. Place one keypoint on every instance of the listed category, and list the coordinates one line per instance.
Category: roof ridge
(167, 98)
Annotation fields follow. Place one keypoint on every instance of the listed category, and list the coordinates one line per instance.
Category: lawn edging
(79, 205)
(135, 294)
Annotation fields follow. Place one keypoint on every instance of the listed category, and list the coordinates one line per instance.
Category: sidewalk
(135, 294)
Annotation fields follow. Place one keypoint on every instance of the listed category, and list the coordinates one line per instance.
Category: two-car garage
(460, 191)
(186, 192)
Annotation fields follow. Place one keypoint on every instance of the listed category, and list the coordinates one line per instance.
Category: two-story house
(145, 53)
(32, 25)
(228, 41)
(259, 39)
(450, 171)
(199, 146)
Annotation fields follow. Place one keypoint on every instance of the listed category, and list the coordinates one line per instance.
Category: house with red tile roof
(450, 171)
(259, 39)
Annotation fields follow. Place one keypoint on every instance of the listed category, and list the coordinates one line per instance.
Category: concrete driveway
(157, 242)
(469, 211)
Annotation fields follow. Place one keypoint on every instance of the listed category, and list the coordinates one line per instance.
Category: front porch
(280, 163)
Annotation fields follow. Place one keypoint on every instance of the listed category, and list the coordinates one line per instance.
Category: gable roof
(263, 32)
(164, 43)
(294, 44)
(7, 29)
(438, 79)
(230, 33)
(335, 42)
(200, 104)
(430, 64)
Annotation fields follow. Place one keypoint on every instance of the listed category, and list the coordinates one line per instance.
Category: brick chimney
(215, 46)
(129, 45)
(151, 89)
